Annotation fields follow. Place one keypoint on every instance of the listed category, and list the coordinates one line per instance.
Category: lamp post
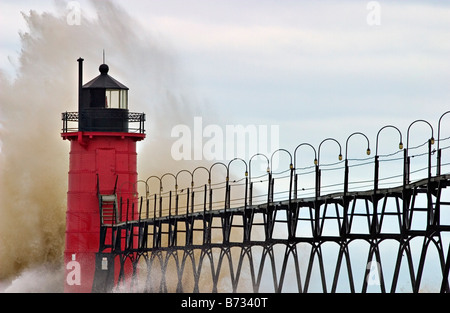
(246, 181)
(160, 189)
(188, 189)
(250, 174)
(226, 182)
(344, 229)
(346, 159)
(170, 194)
(291, 168)
(374, 229)
(439, 152)
(406, 176)
(377, 161)
(146, 196)
(407, 161)
(209, 184)
(318, 172)
(295, 164)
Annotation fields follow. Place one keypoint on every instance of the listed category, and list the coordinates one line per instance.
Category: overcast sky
(314, 68)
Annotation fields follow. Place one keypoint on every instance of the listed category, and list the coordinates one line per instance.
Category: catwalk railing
(287, 230)
(71, 120)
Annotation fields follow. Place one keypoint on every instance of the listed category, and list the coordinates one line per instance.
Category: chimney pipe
(80, 83)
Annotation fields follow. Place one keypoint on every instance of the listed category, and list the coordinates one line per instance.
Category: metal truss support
(296, 246)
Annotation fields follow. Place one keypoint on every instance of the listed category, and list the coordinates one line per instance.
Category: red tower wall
(110, 156)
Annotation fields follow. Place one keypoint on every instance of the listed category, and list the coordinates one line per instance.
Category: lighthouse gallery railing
(74, 117)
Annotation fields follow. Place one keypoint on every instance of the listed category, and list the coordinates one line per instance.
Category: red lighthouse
(102, 170)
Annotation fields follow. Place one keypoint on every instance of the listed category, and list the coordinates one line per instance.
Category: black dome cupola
(105, 91)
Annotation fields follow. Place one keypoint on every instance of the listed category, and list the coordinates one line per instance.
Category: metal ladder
(108, 210)
(108, 206)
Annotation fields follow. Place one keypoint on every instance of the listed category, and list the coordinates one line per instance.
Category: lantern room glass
(116, 99)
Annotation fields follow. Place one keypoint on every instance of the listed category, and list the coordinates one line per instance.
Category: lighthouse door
(106, 169)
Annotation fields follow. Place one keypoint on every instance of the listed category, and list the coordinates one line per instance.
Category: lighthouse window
(123, 99)
(116, 99)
